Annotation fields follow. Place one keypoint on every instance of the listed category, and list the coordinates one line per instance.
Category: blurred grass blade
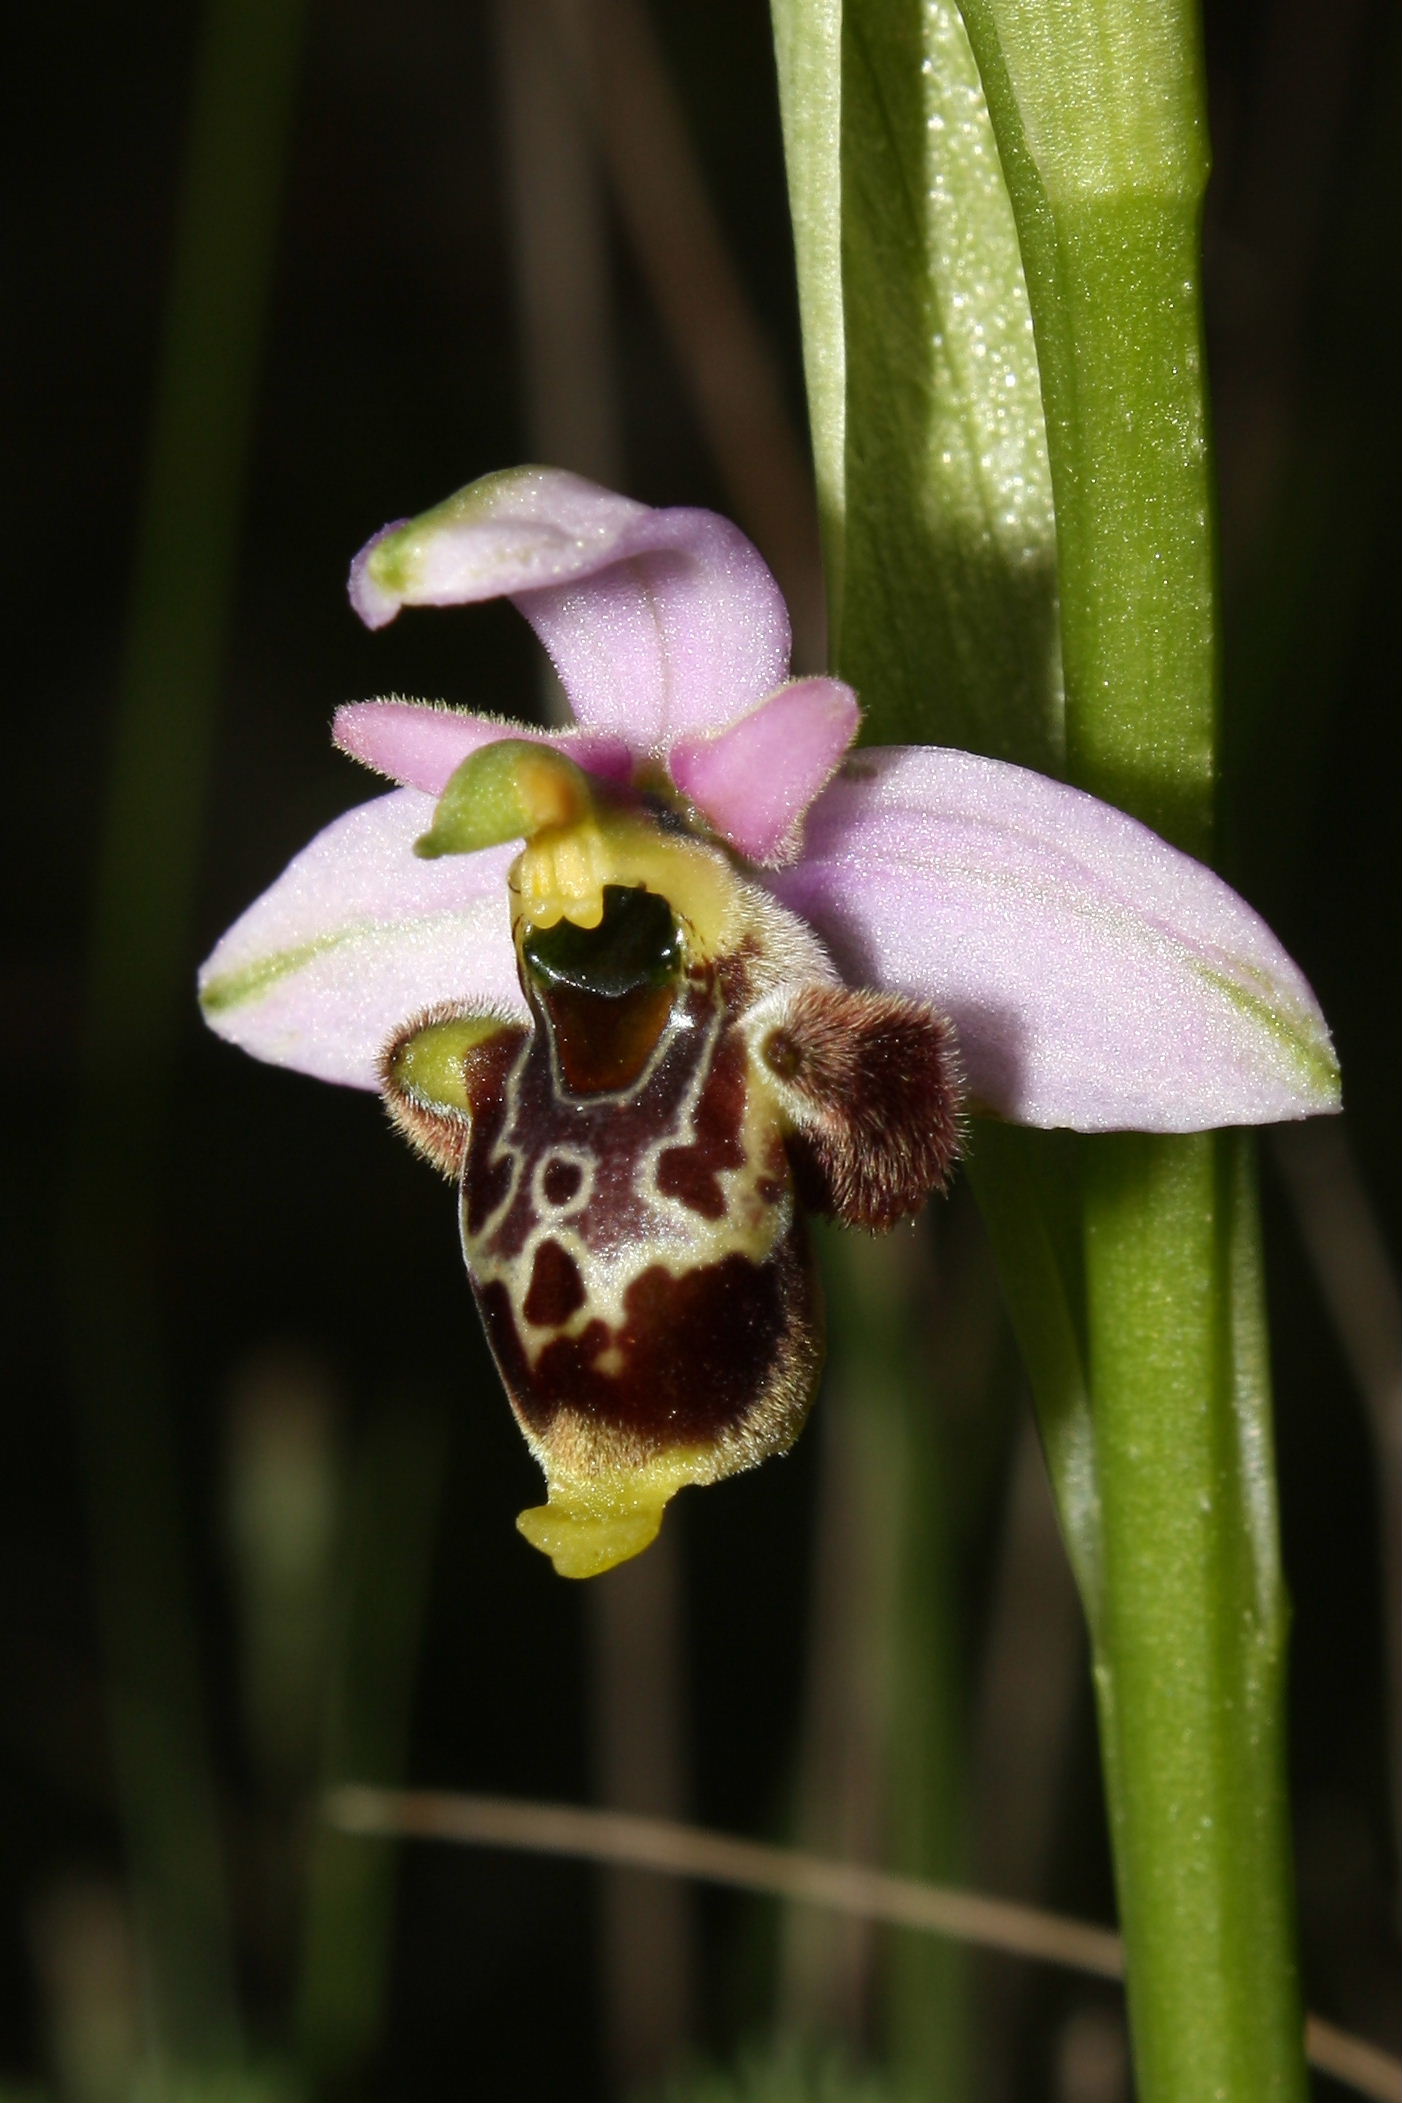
(140, 975)
(191, 516)
(902, 1491)
(386, 1545)
(1028, 1189)
(1347, 1251)
(281, 1498)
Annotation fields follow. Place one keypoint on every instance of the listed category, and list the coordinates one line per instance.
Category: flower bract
(653, 987)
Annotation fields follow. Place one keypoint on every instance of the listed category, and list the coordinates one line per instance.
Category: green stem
(1135, 503)
(1100, 126)
(1190, 1653)
(1130, 1262)
(1097, 110)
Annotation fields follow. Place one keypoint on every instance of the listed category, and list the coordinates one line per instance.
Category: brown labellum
(633, 1166)
(643, 1294)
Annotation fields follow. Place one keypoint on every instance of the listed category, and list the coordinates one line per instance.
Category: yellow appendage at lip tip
(589, 1527)
(581, 1542)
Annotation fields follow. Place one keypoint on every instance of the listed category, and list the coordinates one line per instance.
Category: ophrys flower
(732, 974)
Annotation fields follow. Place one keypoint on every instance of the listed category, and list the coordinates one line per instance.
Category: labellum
(635, 1160)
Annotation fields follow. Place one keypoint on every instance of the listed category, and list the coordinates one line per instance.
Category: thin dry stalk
(777, 1872)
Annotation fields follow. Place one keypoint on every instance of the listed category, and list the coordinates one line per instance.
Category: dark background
(299, 1250)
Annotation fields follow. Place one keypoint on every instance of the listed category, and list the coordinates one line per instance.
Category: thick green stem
(1189, 1653)
(1099, 122)
(1131, 1269)
(1134, 509)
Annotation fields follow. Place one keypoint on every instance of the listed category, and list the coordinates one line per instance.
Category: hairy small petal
(870, 1083)
(659, 622)
(1097, 977)
(755, 779)
(420, 744)
(357, 936)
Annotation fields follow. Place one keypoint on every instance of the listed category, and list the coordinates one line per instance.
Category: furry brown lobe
(872, 1084)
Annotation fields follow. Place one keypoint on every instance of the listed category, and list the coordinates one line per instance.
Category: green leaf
(808, 53)
(949, 615)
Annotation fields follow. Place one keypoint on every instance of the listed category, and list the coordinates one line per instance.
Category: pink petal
(419, 743)
(660, 623)
(755, 779)
(356, 937)
(1097, 977)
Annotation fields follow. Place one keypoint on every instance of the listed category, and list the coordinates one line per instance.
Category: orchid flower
(652, 987)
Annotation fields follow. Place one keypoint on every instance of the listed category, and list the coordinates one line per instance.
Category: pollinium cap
(510, 790)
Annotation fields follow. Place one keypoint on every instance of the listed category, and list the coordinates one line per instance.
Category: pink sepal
(355, 938)
(1097, 978)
